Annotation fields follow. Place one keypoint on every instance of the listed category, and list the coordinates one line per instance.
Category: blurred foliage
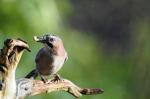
(107, 42)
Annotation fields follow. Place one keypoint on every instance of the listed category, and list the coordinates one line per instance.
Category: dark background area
(107, 42)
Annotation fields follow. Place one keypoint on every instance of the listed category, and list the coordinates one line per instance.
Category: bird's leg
(44, 79)
(56, 78)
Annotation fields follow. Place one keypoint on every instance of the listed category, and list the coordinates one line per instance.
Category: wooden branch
(10, 56)
(29, 87)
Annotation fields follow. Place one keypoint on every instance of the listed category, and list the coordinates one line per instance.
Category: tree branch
(29, 87)
(10, 56)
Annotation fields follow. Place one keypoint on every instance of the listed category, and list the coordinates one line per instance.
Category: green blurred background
(107, 42)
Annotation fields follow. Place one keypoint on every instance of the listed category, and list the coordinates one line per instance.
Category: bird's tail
(33, 74)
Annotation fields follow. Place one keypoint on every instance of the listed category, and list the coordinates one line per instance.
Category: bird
(50, 58)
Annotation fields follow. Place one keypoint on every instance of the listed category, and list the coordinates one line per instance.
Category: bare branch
(10, 56)
(29, 87)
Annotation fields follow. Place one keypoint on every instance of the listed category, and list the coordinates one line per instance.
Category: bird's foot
(56, 78)
(45, 80)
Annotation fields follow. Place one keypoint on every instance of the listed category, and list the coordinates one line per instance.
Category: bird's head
(50, 41)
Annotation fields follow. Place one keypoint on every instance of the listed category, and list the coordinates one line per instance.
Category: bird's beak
(39, 39)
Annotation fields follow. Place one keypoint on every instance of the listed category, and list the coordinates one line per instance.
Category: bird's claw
(45, 80)
(56, 78)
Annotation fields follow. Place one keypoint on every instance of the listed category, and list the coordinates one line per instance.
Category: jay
(50, 59)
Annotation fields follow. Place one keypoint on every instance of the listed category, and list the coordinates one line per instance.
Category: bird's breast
(58, 63)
